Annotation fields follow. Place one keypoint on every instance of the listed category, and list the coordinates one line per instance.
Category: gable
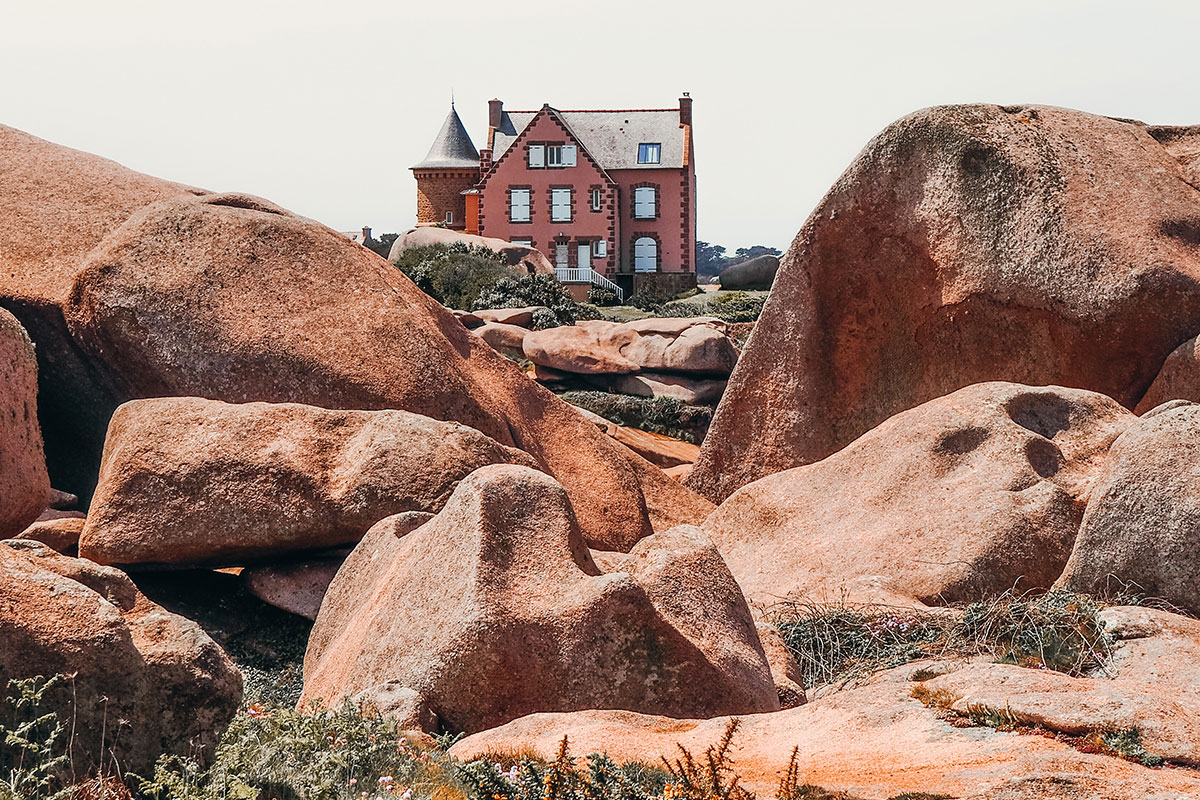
(544, 127)
(611, 137)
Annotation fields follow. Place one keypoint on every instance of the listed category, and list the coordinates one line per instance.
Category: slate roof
(452, 148)
(611, 137)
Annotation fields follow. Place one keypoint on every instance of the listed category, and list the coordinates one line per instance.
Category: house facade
(609, 196)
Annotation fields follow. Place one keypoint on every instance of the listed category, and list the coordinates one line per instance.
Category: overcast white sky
(322, 107)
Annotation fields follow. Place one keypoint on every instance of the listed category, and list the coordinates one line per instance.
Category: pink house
(609, 196)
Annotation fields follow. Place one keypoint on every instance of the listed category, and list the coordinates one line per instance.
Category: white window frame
(645, 261)
(521, 242)
(597, 199)
(653, 151)
(556, 205)
(449, 217)
(514, 206)
(600, 248)
(559, 156)
(537, 156)
(645, 202)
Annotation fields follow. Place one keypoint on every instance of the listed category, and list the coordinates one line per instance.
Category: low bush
(736, 306)
(836, 643)
(665, 415)
(453, 274)
(600, 296)
(517, 291)
(649, 299)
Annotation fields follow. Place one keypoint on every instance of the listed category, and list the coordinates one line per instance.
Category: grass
(840, 643)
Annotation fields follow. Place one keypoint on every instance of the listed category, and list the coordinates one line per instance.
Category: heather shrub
(453, 274)
(517, 291)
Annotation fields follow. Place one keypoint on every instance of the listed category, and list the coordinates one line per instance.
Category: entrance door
(585, 255)
(562, 252)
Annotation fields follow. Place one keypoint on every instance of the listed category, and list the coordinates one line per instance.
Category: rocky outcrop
(1179, 378)
(507, 340)
(60, 533)
(494, 609)
(680, 345)
(962, 497)
(145, 682)
(521, 317)
(133, 287)
(687, 390)
(869, 741)
(1141, 529)
(24, 484)
(966, 244)
(755, 273)
(526, 260)
(189, 481)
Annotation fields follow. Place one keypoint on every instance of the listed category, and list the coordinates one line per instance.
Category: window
(649, 153)
(585, 255)
(644, 203)
(518, 205)
(600, 248)
(449, 217)
(560, 205)
(562, 252)
(537, 156)
(645, 255)
(597, 199)
(560, 155)
(522, 242)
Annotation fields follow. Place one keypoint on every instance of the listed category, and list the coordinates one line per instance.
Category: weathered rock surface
(147, 681)
(521, 317)
(161, 290)
(1179, 378)
(194, 481)
(24, 483)
(60, 533)
(688, 390)
(872, 741)
(756, 273)
(508, 340)
(962, 497)
(295, 586)
(494, 609)
(967, 244)
(654, 447)
(596, 347)
(528, 260)
(1141, 529)
(1152, 687)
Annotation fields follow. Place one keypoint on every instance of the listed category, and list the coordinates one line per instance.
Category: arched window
(645, 255)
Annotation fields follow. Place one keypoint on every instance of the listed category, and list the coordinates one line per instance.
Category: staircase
(576, 275)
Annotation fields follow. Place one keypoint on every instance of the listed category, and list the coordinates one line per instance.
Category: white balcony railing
(577, 275)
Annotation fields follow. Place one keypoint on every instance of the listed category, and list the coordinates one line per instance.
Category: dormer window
(650, 153)
(560, 155)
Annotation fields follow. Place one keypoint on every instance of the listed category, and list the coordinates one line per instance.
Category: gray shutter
(568, 155)
(537, 155)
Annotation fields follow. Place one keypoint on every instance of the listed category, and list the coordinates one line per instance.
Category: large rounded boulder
(963, 497)
(495, 609)
(168, 291)
(24, 483)
(137, 681)
(1141, 530)
(188, 481)
(967, 244)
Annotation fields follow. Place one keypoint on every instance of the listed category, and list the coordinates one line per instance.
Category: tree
(747, 253)
(382, 245)
(710, 258)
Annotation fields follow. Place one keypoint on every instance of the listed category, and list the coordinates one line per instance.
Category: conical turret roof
(452, 148)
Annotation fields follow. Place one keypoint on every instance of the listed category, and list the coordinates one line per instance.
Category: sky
(322, 106)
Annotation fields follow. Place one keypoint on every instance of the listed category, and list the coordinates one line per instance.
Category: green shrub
(736, 306)
(649, 298)
(665, 415)
(453, 274)
(600, 296)
(517, 291)
(32, 752)
(585, 311)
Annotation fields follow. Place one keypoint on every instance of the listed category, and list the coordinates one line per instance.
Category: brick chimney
(495, 116)
(685, 109)
(366, 233)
